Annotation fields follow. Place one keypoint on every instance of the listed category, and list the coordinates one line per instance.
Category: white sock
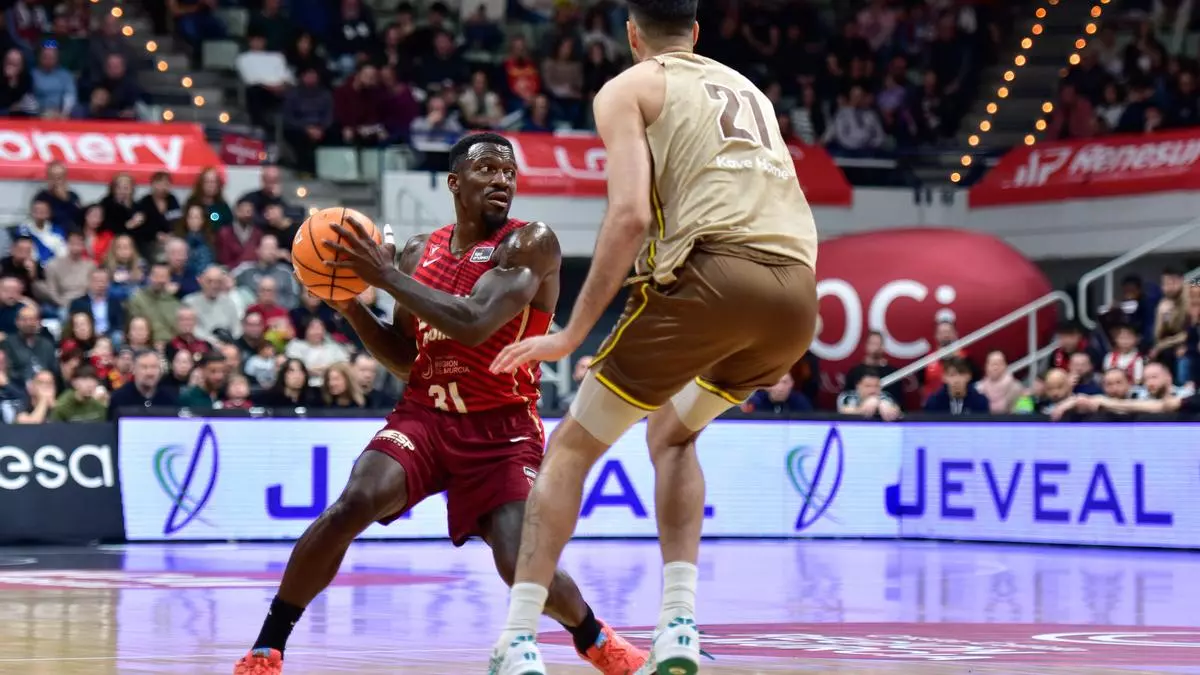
(679, 592)
(525, 606)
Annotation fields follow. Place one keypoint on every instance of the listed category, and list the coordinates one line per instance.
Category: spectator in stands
(1111, 107)
(310, 308)
(1158, 383)
(868, 400)
(875, 361)
(183, 282)
(27, 20)
(211, 389)
(284, 227)
(539, 117)
(366, 374)
(1057, 389)
(1073, 117)
(138, 335)
(179, 374)
(66, 209)
(145, 390)
(251, 339)
(29, 350)
(215, 308)
(1140, 100)
(185, 335)
(209, 193)
(339, 389)
(780, 397)
(358, 108)
(42, 393)
(443, 64)
(196, 230)
(237, 393)
(97, 240)
(1083, 375)
(11, 302)
(945, 334)
(957, 396)
(49, 238)
(949, 55)
(352, 37)
(98, 106)
(1117, 384)
(266, 76)
(123, 89)
(438, 127)
(291, 389)
(266, 303)
(562, 79)
(480, 33)
(269, 193)
(85, 401)
(105, 42)
(16, 87)
(1185, 102)
(1001, 389)
(271, 22)
(307, 117)
(436, 21)
(524, 82)
(53, 86)
(107, 312)
(316, 349)
(239, 242)
(67, 276)
(598, 68)
(156, 303)
(482, 108)
(78, 334)
(269, 265)
(1173, 403)
(196, 20)
(1071, 340)
(12, 398)
(69, 30)
(856, 127)
(1125, 355)
(160, 210)
(120, 214)
(22, 264)
(401, 107)
(303, 54)
(1170, 325)
(125, 267)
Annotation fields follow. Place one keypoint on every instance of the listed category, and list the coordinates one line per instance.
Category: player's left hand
(360, 254)
(541, 348)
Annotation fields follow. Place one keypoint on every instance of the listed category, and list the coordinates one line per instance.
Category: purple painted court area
(795, 606)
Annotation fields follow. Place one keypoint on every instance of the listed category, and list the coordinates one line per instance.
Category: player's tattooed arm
(392, 344)
(524, 261)
(622, 127)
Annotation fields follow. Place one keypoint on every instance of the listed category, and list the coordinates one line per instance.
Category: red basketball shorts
(482, 460)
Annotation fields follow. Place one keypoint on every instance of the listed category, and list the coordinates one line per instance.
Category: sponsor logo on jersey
(393, 436)
(482, 254)
(429, 333)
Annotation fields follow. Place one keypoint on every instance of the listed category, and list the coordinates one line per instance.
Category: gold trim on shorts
(616, 336)
(608, 384)
(714, 389)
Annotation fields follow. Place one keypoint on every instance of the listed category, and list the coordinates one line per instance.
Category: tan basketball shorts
(731, 324)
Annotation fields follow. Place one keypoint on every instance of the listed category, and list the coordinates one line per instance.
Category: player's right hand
(339, 306)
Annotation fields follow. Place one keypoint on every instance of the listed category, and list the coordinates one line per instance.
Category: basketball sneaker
(260, 662)
(613, 655)
(521, 657)
(676, 649)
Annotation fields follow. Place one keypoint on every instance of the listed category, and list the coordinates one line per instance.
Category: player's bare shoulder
(644, 82)
(408, 257)
(534, 246)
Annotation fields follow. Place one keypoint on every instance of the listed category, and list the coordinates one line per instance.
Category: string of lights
(1010, 76)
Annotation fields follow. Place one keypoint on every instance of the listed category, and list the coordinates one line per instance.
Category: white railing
(1106, 271)
(1192, 276)
(1025, 313)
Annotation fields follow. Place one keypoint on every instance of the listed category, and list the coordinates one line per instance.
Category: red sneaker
(260, 662)
(613, 655)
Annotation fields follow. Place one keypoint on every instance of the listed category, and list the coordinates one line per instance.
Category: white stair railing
(1025, 313)
(1106, 271)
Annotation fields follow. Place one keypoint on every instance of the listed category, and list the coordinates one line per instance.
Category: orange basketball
(309, 253)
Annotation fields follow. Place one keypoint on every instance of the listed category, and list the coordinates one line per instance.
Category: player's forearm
(386, 343)
(460, 319)
(617, 247)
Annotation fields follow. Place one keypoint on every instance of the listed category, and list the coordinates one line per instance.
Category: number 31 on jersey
(444, 397)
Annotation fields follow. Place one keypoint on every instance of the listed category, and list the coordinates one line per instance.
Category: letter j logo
(816, 476)
(188, 479)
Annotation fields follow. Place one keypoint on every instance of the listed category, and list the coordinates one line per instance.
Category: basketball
(309, 254)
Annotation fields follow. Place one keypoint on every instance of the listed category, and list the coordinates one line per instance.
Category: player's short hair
(664, 18)
(459, 152)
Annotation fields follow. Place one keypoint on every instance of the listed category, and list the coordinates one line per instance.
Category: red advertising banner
(573, 166)
(1112, 166)
(96, 151)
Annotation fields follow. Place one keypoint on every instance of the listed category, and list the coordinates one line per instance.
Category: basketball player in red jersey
(462, 294)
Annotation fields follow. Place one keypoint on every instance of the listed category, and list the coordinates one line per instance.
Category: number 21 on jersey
(727, 120)
(444, 397)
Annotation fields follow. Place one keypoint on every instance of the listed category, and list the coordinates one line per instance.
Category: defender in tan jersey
(704, 204)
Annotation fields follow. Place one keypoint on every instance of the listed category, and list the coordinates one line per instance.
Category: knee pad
(697, 406)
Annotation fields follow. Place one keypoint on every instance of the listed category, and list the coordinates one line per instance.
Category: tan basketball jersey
(723, 176)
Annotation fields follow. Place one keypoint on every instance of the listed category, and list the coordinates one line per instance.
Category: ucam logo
(816, 475)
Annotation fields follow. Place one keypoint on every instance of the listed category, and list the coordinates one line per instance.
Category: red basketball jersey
(450, 376)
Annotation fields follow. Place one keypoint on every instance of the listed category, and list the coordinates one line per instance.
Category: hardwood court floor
(862, 608)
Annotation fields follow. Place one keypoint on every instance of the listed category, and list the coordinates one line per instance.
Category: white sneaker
(676, 649)
(521, 657)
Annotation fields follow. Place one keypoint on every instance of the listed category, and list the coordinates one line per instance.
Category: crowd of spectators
(1128, 80)
(144, 301)
(61, 63)
(890, 74)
